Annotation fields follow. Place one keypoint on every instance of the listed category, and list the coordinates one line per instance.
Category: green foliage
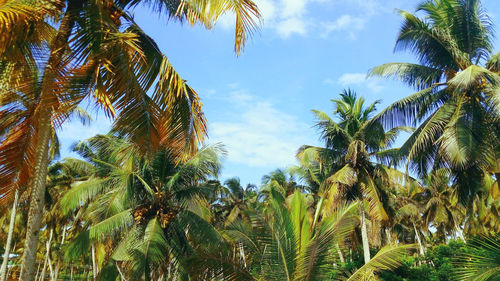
(438, 264)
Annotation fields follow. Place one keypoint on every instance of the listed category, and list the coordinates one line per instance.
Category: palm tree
(441, 208)
(346, 160)
(484, 212)
(95, 50)
(287, 243)
(456, 104)
(234, 199)
(282, 180)
(137, 209)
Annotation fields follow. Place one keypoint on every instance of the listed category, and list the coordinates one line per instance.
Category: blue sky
(259, 104)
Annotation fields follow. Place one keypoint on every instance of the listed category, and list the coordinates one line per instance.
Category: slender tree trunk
(94, 264)
(58, 264)
(49, 262)
(47, 254)
(459, 232)
(121, 273)
(242, 253)
(364, 234)
(388, 236)
(9, 270)
(40, 278)
(421, 247)
(341, 256)
(44, 128)
(71, 273)
(6, 254)
(37, 272)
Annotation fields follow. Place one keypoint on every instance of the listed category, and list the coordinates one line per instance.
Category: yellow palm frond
(208, 12)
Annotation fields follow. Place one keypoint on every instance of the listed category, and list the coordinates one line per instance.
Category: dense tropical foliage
(145, 201)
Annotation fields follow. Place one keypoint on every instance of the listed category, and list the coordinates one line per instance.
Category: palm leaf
(387, 258)
(112, 224)
(483, 264)
(417, 76)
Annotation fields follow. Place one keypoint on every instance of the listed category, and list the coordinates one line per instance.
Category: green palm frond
(411, 110)
(112, 224)
(415, 75)
(82, 193)
(483, 264)
(473, 76)
(315, 259)
(330, 131)
(387, 258)
(79, 246)
(493, 63)
(433, 48)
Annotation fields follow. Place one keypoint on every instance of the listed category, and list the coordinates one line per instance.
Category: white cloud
(358, 79)
(293, 25)
(258, 134)
(352, 79)
(344, 23)
(299, 17)
(293, 8)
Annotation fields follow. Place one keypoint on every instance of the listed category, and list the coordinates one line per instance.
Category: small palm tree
(282, 180)
(345, 165)
(287, 242)
(138, 209)
(441, 208)
(235, 199)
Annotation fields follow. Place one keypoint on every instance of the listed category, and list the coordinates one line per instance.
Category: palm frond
(110, 225)
(82, 193)
(481, 265)
(315, 260)
(417, 76)
(473, 76)
(387, 258)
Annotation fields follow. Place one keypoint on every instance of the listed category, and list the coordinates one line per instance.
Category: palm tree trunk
(37, 198)
(47, 253)
(44, 128)
(341, 256)
(421, 247)
(94, 264)
(58, 264)
(388, 235)
(6, 254)
(37, 272)
(121, 273)
(364, 234)
(459, 232)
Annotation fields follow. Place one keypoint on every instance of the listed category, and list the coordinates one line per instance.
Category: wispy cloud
(346, 22)
(298, 17)
(257, 134)
(357, 79)
(290, 26)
